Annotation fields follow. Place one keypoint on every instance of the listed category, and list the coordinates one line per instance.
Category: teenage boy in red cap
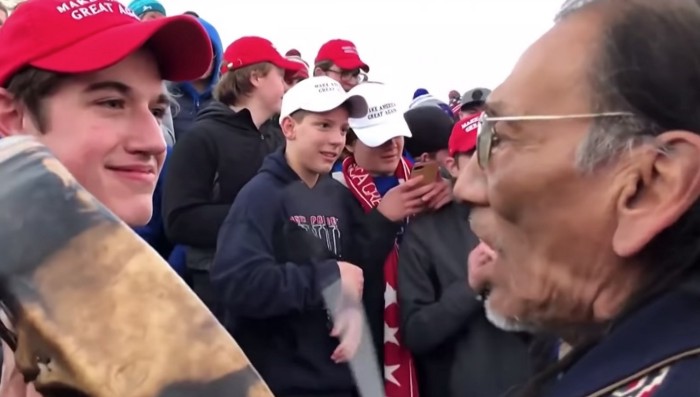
(95, 104)
(223, 151)
(458, 352)
(339, 60)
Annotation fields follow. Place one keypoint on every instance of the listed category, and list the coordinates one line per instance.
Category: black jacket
(207, 169)
(278, 250)
(272, 128)
(458, 352)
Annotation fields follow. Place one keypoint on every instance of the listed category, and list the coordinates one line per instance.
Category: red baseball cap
(463, 136)
(303, 72)
(250, 50)
(82, 37)
(342, 53)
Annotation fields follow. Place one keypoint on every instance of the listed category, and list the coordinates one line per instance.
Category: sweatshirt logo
(324, 228)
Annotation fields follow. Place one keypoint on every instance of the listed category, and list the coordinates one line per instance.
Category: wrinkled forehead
(555, 74)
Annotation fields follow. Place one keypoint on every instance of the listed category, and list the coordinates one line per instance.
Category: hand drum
(94, 310)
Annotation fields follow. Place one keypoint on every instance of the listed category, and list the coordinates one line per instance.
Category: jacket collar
(664, 327)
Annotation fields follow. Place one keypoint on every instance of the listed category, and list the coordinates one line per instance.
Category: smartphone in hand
(429, 170)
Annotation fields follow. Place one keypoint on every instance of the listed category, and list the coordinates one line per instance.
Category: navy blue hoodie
(277, 250)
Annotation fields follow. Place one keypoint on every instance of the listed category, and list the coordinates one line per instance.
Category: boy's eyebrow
(109, 85)
(123, 89)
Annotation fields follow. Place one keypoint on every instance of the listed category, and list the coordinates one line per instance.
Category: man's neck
(612, 298)
(308, 177)
(257, 112)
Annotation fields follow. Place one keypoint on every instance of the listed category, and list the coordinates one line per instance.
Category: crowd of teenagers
(539, 240)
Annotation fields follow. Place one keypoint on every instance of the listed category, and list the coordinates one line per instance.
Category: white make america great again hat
(321, 94)
(384, 119)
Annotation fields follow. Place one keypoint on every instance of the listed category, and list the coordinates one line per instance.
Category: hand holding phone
(428, 170)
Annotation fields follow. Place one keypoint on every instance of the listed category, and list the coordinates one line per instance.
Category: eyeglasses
(486, 134)
(348, 75)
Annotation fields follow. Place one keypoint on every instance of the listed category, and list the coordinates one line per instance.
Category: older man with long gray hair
(586, 186)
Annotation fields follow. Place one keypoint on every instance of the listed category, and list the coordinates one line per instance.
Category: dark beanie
(430, 129)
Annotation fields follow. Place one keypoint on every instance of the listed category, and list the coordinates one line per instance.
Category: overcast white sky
(435, 44)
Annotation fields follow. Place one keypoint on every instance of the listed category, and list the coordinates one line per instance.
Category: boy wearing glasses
(458, 352)
(339, 60)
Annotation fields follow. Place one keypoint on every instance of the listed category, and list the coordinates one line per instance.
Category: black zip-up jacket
(278, 250)
(458, 352)
(207, 169)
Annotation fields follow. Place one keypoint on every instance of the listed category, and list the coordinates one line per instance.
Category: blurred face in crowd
(347, 78)
(380, 160)
(270, 88)
(104, 127)
(150, 15)
(563, 237)
(316, 140)
(292, 81)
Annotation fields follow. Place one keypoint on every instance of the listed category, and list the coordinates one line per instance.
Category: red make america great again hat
(83, 36)
(464, 134)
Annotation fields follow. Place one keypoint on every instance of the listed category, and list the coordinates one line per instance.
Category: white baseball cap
(384, 120)
(321, 94)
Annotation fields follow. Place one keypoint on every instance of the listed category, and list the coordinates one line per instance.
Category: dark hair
(30, 86)
(191, 13)
(324, 65)
(657, 81)
(4, 9)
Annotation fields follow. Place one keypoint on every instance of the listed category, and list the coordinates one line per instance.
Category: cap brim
(471, 104)
(180, 45)
(464, 145)
(351, 64)
(377, 135)
(289, 66)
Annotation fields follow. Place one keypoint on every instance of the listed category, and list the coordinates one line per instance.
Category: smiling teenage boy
(96, 105)
(286, 239)
(222, 152)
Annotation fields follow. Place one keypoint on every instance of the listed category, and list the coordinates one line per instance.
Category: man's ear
(288, 124)
(256, 78)
(659, 186)
(11, 114)
(319, 72)
(423, 158)
(452, 167)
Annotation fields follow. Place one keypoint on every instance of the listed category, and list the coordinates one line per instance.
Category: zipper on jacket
(659, 365)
